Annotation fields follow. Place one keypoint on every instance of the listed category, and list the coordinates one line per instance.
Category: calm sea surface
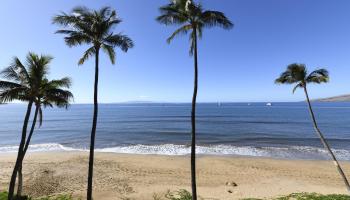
(283, 130)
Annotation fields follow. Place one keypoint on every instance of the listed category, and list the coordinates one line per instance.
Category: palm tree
(192, 18)
(297, 74)
(50, 94)
(93, 27)
(29, 83)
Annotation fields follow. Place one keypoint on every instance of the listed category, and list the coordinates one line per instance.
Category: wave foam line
(291, 152)
(47, 147)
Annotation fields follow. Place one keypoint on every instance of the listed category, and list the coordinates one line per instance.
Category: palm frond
(318, 76)
(88, 53)
(10, 73)
(76, 38)
(110, 52)
(21, 70)
(299, 85)
(181, 31)
(113, 22)
(64, 19)
(80, 10)
(119, 40)
(76, 21)
(173, 13)
(295, 73)
(112, 19)
(64, 82)
(64, 31)
(105, 11)
(200, 32)
(58, 97)
(215, 18)
(78, 26)
(171, 19)
(18, 93)
(285, 77)
(38, 68)
(5, 85)
(16, 72)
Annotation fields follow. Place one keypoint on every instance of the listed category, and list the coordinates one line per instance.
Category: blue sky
(236, 65)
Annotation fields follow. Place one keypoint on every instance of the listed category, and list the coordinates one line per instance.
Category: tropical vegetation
(297, 74)
(308, 196)
(29, 83)
(4, 196)
(94, 28)
(192, 19)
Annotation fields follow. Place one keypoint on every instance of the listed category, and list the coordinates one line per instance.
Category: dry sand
(125, 176)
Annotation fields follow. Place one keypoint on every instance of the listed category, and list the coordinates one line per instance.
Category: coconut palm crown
(191, 18)
(29, 82)
(297, 73)
(91, 27)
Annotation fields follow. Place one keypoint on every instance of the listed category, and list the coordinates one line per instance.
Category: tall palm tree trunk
(20, 151)
(20, 176)
(193, 120)
(93, 130)
(20, 181)
(325, 143)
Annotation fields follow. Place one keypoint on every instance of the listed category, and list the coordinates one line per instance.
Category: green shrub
(3, 196)
(59, 197)
(314, 196)
(308, 196)
(179, 195)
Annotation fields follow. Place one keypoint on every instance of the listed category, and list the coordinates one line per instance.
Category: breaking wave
(291, 152)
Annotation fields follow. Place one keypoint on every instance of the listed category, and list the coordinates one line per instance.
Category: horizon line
(169, 102)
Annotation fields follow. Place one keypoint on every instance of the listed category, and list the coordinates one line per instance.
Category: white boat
(269, 104)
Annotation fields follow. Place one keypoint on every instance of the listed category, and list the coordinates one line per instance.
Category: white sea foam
(291, 152)
(47, 147)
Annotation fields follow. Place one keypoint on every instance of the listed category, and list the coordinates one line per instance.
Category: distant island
(340, 98)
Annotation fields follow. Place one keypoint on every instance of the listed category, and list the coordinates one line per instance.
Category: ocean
(282, 130)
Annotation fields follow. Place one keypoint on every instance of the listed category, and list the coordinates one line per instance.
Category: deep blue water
(283, 130)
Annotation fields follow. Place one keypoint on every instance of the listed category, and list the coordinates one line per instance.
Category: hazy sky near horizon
(237, 65)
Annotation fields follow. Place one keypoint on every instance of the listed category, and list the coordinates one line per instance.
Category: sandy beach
(121, 176)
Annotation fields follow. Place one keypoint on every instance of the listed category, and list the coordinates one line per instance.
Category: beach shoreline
(133, 176)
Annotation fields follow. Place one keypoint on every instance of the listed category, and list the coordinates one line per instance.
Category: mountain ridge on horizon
(338, 98)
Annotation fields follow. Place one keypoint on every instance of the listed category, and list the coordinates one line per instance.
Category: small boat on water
(269, 104)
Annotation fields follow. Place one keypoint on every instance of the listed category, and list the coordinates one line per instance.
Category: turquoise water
(283, 130)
